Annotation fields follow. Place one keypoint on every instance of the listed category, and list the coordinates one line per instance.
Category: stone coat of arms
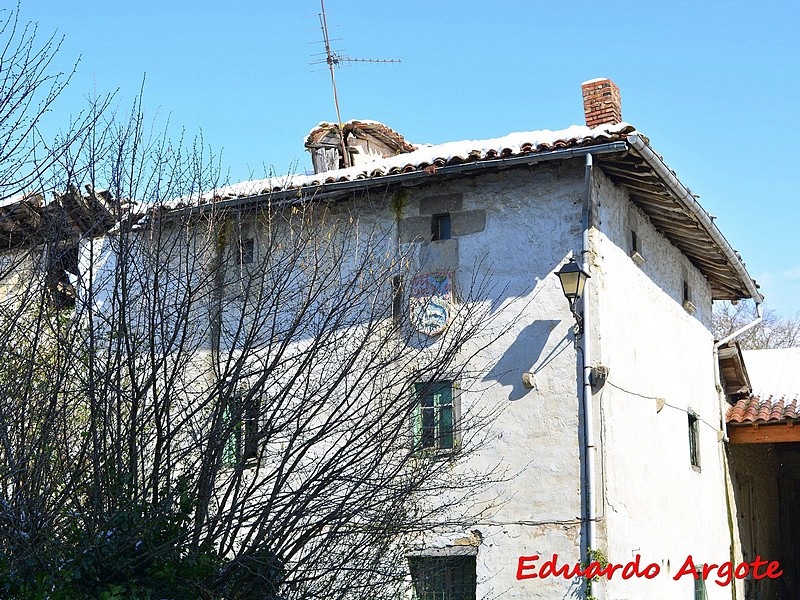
(431, 301)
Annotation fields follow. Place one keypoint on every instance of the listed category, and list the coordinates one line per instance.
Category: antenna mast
(334, 59)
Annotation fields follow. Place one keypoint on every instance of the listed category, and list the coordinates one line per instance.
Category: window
(686, 291)
(240, 422)
(440, 227)
(247, 248)
(443, 578)
(231, 451)
(694, 439)
(634, 242)
(700, 585)
(434, 417)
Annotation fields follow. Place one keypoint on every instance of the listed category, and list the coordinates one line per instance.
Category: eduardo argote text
(530, 567)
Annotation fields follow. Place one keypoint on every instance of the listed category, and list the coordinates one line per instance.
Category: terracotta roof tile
(768, 410)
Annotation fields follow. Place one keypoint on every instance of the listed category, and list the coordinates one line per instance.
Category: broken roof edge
(687, 199)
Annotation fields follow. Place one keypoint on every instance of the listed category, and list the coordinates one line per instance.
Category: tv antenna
(333, 59)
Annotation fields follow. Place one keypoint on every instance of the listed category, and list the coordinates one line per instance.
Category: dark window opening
(443, 578)
(397, 299)
(440, 227)
(694, 440)
(63, 263)
(251, 418)
(634, 242)
(247, 251)
(686, 297)
(434, 418)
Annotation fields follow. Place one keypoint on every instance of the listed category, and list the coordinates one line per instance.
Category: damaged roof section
(27, 220)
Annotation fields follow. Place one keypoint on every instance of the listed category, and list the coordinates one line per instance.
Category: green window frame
(443, 578)
(434, 416)
(232, 450)
(240, 419)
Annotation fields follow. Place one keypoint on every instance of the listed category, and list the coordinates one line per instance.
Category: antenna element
(335, 59)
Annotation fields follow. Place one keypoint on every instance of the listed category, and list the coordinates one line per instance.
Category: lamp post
(573, 278)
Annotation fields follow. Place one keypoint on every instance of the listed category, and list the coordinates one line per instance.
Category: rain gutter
(326, 190)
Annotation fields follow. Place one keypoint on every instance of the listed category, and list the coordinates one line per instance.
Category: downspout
(741, 330)
(588, 422)
(718, 345)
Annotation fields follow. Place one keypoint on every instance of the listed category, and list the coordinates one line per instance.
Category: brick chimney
(602, 104)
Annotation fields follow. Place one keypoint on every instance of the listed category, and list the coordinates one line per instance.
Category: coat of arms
(431, 298)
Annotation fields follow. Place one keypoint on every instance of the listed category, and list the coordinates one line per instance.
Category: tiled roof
(769, 410)
(627, 159)
(431, 157)
(382, 132)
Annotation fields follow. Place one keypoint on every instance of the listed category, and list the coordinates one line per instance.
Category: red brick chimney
(602, 104)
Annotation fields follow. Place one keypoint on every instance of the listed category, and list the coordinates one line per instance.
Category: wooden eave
(733, 371)
(764, 433)
(678, 225)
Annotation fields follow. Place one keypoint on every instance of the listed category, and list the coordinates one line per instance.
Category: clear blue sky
(714, 85)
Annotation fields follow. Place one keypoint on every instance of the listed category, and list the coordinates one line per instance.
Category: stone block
(442, 203)
(415, 229)
(467, 221)
(441, 255)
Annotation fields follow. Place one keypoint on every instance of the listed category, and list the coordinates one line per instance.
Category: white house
(615, 443)
(609, 426)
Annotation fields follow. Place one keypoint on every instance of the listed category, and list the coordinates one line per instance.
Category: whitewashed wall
(654, 502)
(532, 226)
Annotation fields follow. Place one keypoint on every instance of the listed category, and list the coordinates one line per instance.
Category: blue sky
(714, 85)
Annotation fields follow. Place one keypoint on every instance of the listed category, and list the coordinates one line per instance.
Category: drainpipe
(740, 331)
(588, 422)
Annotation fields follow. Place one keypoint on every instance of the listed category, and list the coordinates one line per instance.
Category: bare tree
(225, 399)
(774, 331)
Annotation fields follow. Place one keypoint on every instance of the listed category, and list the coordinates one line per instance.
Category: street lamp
(573, 278)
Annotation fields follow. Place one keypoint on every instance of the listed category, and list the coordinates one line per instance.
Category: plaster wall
(654, 502)
(511, 231)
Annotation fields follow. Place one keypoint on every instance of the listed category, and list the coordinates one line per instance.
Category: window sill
(637, 258)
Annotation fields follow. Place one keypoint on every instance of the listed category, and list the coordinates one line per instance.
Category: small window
(694, 439)
(686, 293)
(634, 242)
(443, 578)
(440, 227)
(247, 250)
(251, 428)
(700, 585)
(434, 416)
